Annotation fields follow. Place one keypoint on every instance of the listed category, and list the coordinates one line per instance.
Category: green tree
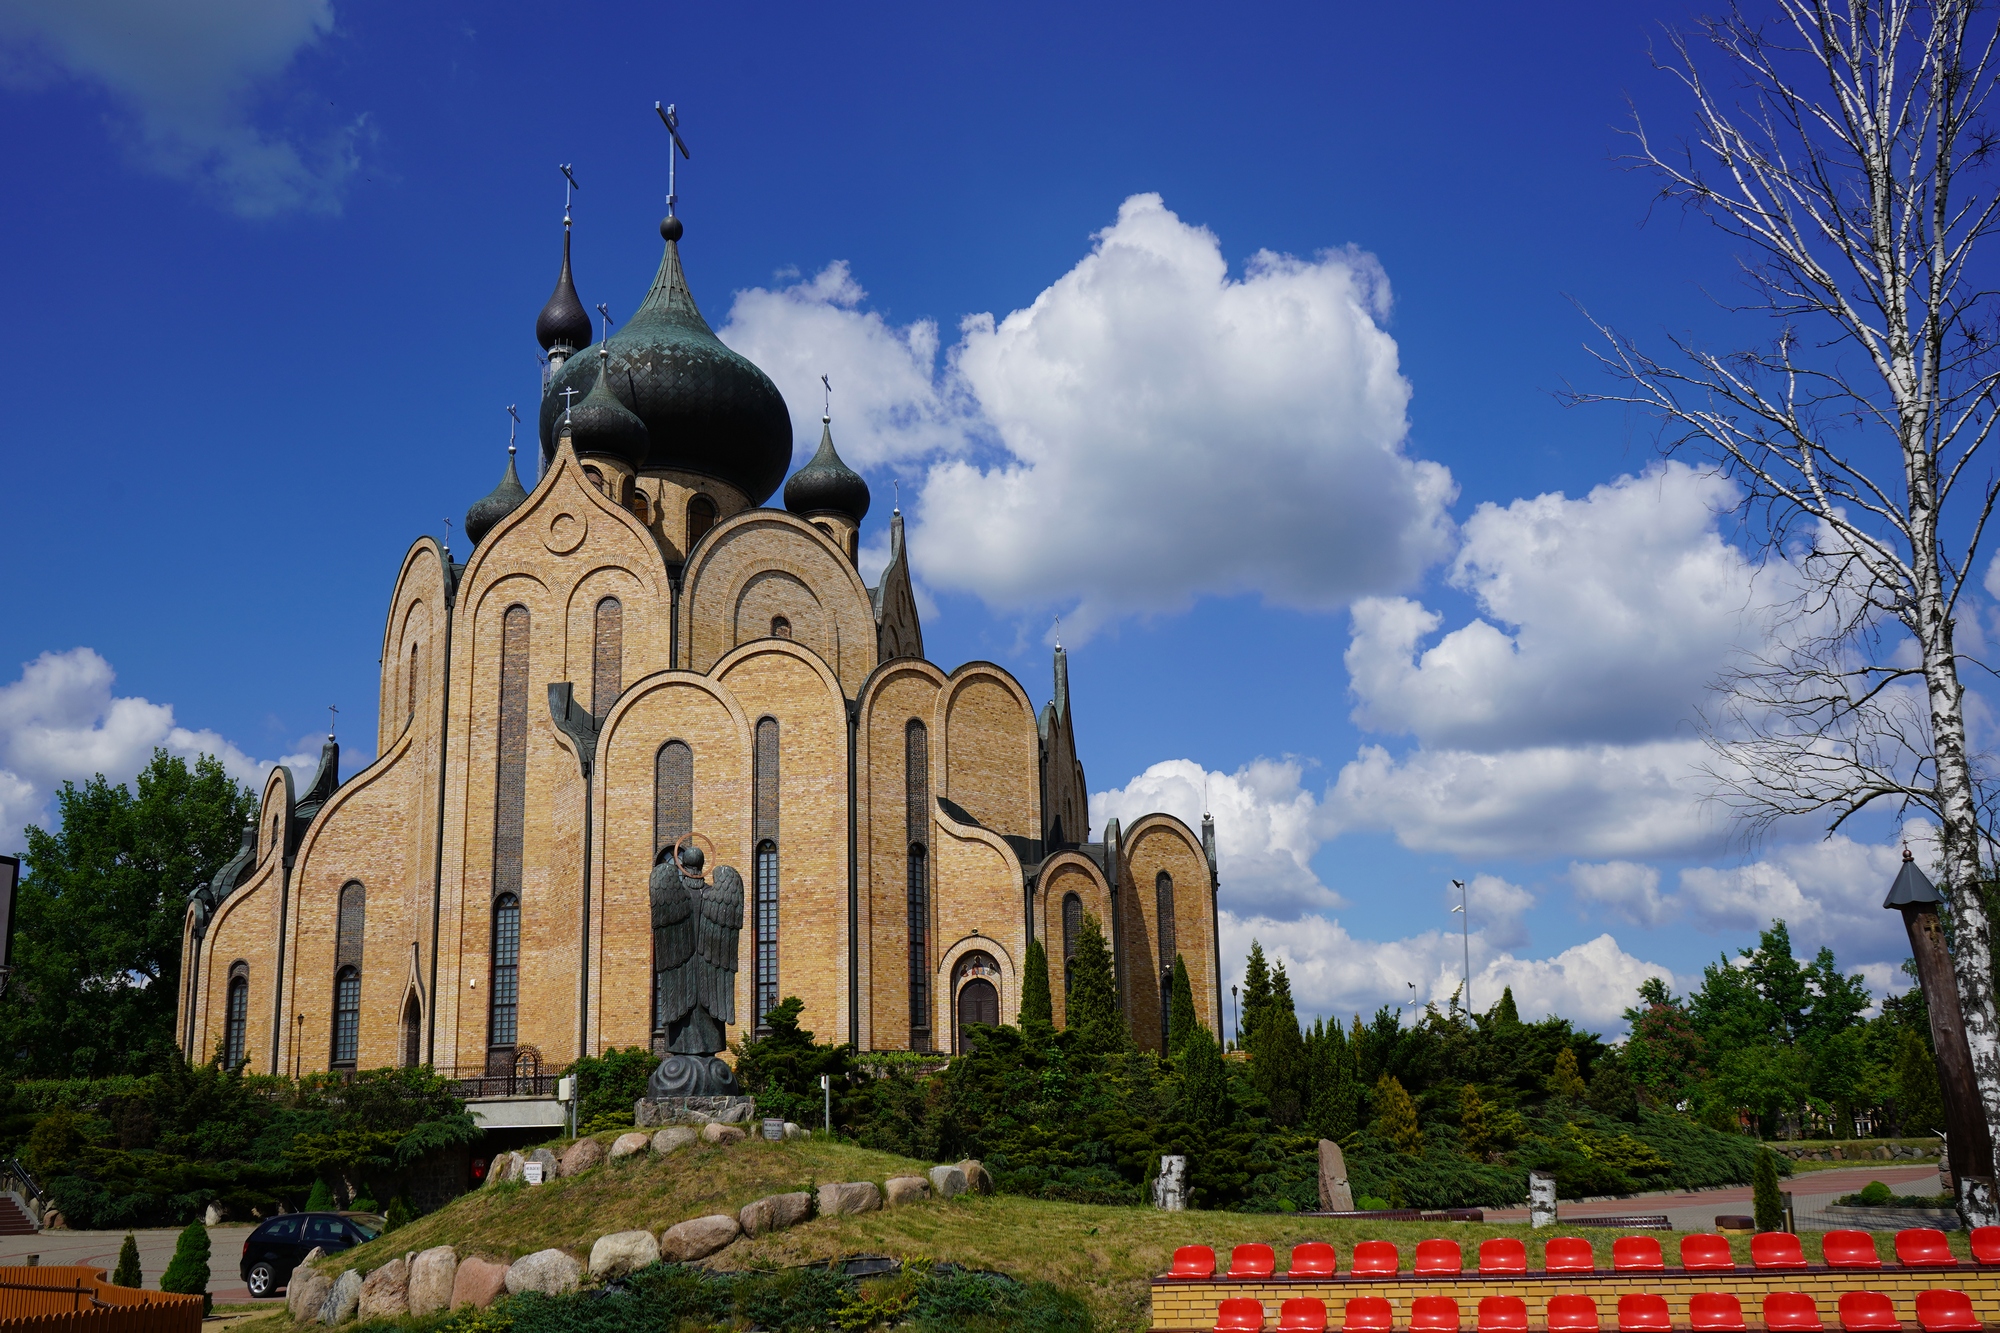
(1333, 1081)
(1203, 1099)
(1504, 1014)
(1564, 1080)
(187, 1271)
(1396, 1116)
(1038, 1011)
(1473, 1124)
(782, 1068)
(1181, 1019)
(1093, 994)
(127, 1273)
(320, 1198)
(1256, 994)
(100, 911)
(1665, 1056)
(1611, 1092)
(1765, 1201)
(1277, 1054)
(1919, 1098)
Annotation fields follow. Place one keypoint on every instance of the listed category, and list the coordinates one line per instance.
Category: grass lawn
(1106, 1255)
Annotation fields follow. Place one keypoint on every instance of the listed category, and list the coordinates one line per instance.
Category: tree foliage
(1038, 1011)
(1092, 1011)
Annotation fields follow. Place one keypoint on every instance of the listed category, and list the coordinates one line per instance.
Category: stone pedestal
(1170, 1186)
(1334, 1194)
(650, 1113)
(1541, 1199)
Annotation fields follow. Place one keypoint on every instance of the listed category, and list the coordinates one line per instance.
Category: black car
(275, 1248)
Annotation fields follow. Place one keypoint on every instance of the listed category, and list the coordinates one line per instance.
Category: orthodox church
(642, 650)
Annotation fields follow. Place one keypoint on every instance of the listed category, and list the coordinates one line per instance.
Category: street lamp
(1237, 1009)
(1464, 909)
(1968, 1144)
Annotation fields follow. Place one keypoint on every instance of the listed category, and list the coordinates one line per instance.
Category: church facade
(639, 651)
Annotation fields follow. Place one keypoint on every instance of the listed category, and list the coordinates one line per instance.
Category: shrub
(399, 1213)
(187, 1271)
(1876, 1195)
(127, 1272)
(321, 1198)
(1765, 1201)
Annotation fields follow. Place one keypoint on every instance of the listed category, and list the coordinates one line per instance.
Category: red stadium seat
(1239, 1314)
(1924, 1247)
(1375, 1258)
(1503, 1314)
(1986, 1245)
(1715, 1312)
(1572, 1314)
(1568, 1254)
(1439, 1256)
(1791, 1312)
(1941, 1311)
(1706, 1252)
(1252, 1261)
(1315, 1258)
(1367, 1314)
(1643, 1312)
(1193, 1261)
(1777, 1249)
(1433, 1314)
(1302, 1314)
(1637, 1254)
(1868, 1312)
(1503, 1255)
(1849, 1249)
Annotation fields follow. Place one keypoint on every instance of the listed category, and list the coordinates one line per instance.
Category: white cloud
(1828, 892)
(1627, 888)
(190, 73)
(1498, 908)
(1148, 431)
(60, 722)
(1591, 984)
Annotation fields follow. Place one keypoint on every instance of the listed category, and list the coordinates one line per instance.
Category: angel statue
(695, 926)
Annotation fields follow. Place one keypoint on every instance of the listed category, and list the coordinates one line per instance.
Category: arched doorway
(977, 995)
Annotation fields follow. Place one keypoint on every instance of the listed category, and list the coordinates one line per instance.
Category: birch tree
(1845, 148)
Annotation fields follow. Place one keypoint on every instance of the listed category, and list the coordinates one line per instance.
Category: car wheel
(263, 1279)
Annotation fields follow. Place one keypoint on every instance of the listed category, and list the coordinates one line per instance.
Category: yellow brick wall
(985, 750)
(900, 692)
(766, 562)
(1155, 843)
(244, 927)
(1063, 874)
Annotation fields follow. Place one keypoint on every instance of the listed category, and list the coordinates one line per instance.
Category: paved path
(99, 1249)
(1695, 1211)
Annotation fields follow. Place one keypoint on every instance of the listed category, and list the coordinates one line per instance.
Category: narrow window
(596, 478)
(673, 817)
(236, 1028)
(917, 808)
(346, 1016)
(1072, 928)
(1163, 907)
(413, 1031)
(640, 509)
(607, 657)
(504, 994)
(781, 628)
(765, 910)
(412, 686)
(701, 517)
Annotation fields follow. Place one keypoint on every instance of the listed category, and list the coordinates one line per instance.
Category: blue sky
(277, 264)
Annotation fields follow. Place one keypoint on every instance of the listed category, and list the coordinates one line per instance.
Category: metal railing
(476, 1081)
(11, 1169)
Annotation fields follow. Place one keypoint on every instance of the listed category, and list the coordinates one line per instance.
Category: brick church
(642, 649)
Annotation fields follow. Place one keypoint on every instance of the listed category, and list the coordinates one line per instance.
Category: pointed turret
(601, 426)
(826, 485)
(503, 500)
(563, 327)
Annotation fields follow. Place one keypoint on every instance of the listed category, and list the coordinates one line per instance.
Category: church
(641, 651)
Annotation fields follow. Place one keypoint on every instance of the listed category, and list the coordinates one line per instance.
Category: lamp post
(1968, 1145)
(1464, 910)
(1236, 1008)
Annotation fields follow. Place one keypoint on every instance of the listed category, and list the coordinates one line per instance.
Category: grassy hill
(1104, 1255)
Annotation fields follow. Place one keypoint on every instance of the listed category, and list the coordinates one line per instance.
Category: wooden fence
(77, 1299)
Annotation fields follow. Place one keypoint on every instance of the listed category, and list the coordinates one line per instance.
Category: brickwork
(1154, 844)
(1192, 1305)
(899, 693)
(766, 563)
(985, 750)
(1063, 874)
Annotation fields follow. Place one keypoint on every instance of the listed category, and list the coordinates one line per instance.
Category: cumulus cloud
(1625, 887)
(190, 74)
(60, 722)
(1499, 909)
(1149, 430)
(1827, 892)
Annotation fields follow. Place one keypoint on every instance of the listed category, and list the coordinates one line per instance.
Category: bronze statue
(695, 928)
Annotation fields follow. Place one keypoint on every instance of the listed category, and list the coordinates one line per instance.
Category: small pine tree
(1256, 994)
(1181, 1020)
(1472, 1122)
(1038, 1011)
(1504, 1013)
(1396, 1116)
(1564, 1081)
(398, 1214)
(1204, 1091)
(321, 1198)
(187, 1271)
(1093, 994)
(1765, 1201)
(127, 1272)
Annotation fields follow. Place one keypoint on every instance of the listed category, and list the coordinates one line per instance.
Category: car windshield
(367, 1232)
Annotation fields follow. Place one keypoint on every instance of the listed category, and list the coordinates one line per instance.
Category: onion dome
(602, 426)
(706, 409)
(826, 484)
(563, 323)
(505, 499)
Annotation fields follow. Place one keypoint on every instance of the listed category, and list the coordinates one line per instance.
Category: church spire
(563, 327)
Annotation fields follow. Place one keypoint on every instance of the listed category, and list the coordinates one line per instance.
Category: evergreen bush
(320, 1200)
(399, 1214)
(127, 1272)
(1038, 1013)
(1765, 1201)
(187, 1271)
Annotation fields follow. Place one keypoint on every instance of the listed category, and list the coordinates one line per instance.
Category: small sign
(532, 1173)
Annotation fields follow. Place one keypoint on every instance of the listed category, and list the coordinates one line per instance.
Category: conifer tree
(1504, 1013)
(1396, 1116)
(1038, 1011)
(1564, 1081)
(1765, 1201)
(1204, 1091)
(320, 1200)
(1472, 1122)
(1093, 994)
(1277, 1054)
(187, 1271)
(1256, 994)
(1181, 1020)
(127, 1272)
(1334, 1110)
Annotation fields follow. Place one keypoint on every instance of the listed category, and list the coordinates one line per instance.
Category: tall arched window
(1163, 908)
(1072, 929)
(346, 1016)
(236, 1020)
(413, 1030)
(917, 806)
(504, 992)
(412, 685)
(701, 517)
(607, 657)
(673, 793)
(765, 908)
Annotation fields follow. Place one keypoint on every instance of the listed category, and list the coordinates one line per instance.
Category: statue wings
(694, 941)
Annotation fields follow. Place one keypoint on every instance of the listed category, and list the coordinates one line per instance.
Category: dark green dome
(827, 485)
(504, 500)
(705, 409)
